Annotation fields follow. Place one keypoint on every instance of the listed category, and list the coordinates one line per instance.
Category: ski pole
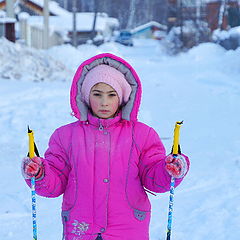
(33, 192)
(175, 151)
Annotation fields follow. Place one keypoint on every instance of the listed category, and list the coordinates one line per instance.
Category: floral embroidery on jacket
(79, 228)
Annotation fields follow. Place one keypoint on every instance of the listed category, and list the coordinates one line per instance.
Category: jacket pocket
(136, 197)
(70, 195)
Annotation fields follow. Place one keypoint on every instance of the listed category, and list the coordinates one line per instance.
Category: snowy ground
(201, 87)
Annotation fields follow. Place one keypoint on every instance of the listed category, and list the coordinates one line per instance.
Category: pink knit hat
(109, 75)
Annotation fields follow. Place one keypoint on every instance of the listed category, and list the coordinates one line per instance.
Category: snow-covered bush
(228, 39)
(189, 35)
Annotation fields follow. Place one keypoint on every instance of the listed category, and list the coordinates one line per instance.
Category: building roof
(7, 20)
(37, 5)
(84, 22)
(54, 7)
(148, 25)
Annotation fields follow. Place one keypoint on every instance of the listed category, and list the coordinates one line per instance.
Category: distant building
(151, 29)
(35, 7)
(84, 24)
(60, 23)
(209, 11)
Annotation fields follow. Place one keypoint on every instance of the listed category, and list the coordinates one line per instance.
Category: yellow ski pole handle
(31, 143)
(176, 138)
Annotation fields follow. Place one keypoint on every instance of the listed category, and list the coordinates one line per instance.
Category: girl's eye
(112, 94)
(96, 94)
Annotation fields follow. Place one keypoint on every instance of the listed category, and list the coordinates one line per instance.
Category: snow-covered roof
(84, 22)
(148, 25)
(7, 20)
(54, 7)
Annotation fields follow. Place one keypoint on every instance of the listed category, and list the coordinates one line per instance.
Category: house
(151, 29)
(60, 24)
(212, 16)
(35, 7)
(208, 11)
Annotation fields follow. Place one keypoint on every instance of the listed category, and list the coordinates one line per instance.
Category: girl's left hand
(176, 165)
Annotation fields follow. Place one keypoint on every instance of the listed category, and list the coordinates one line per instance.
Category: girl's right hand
(32, 167)
(176, 165)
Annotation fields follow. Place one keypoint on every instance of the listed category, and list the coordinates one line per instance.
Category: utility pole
(74, 32)
(10, 8)
(46, 24)
(65, 4)
(95, 19)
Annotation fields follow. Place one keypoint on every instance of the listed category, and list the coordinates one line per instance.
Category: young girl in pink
(104, 163)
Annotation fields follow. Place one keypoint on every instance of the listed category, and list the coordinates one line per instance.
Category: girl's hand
(32, 167)
(176, 165)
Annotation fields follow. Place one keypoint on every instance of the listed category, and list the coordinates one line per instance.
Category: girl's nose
(104, 101)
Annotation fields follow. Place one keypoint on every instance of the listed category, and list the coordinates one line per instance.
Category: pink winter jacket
(102, 166)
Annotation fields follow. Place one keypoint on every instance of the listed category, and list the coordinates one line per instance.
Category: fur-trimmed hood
(129, 110)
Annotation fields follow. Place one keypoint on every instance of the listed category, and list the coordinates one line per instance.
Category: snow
(222, 35)
(53, 7)
(200, 87)
(7, 20)
(84, 22)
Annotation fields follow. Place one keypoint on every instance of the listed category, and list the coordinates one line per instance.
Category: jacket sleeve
(152, 165)
(56, 169)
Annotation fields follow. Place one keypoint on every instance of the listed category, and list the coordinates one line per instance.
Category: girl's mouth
(104, 111)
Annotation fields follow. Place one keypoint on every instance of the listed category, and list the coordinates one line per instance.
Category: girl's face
(104, 101)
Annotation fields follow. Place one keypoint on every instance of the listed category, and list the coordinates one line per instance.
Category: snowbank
(19, 62)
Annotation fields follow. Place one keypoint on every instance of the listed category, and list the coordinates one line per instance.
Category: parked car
(125, 38)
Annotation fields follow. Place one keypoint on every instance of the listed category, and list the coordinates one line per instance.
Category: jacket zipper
(101, 128)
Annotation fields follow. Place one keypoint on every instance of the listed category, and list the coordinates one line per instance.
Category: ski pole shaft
(175, 151)
(170, 208)
(33, 191)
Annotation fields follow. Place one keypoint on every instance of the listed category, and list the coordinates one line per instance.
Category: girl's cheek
(94, 104)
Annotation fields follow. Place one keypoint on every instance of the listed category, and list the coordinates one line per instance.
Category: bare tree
(132, 11)
(221, 14)
(74, 32)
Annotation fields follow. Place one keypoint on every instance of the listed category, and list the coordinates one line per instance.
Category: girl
(104, 163)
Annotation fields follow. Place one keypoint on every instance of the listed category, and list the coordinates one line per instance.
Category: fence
(33, 35)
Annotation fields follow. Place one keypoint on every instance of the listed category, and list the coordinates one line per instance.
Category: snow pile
(19, 62)
(228, 39)
(200, 87)
(224, 34)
